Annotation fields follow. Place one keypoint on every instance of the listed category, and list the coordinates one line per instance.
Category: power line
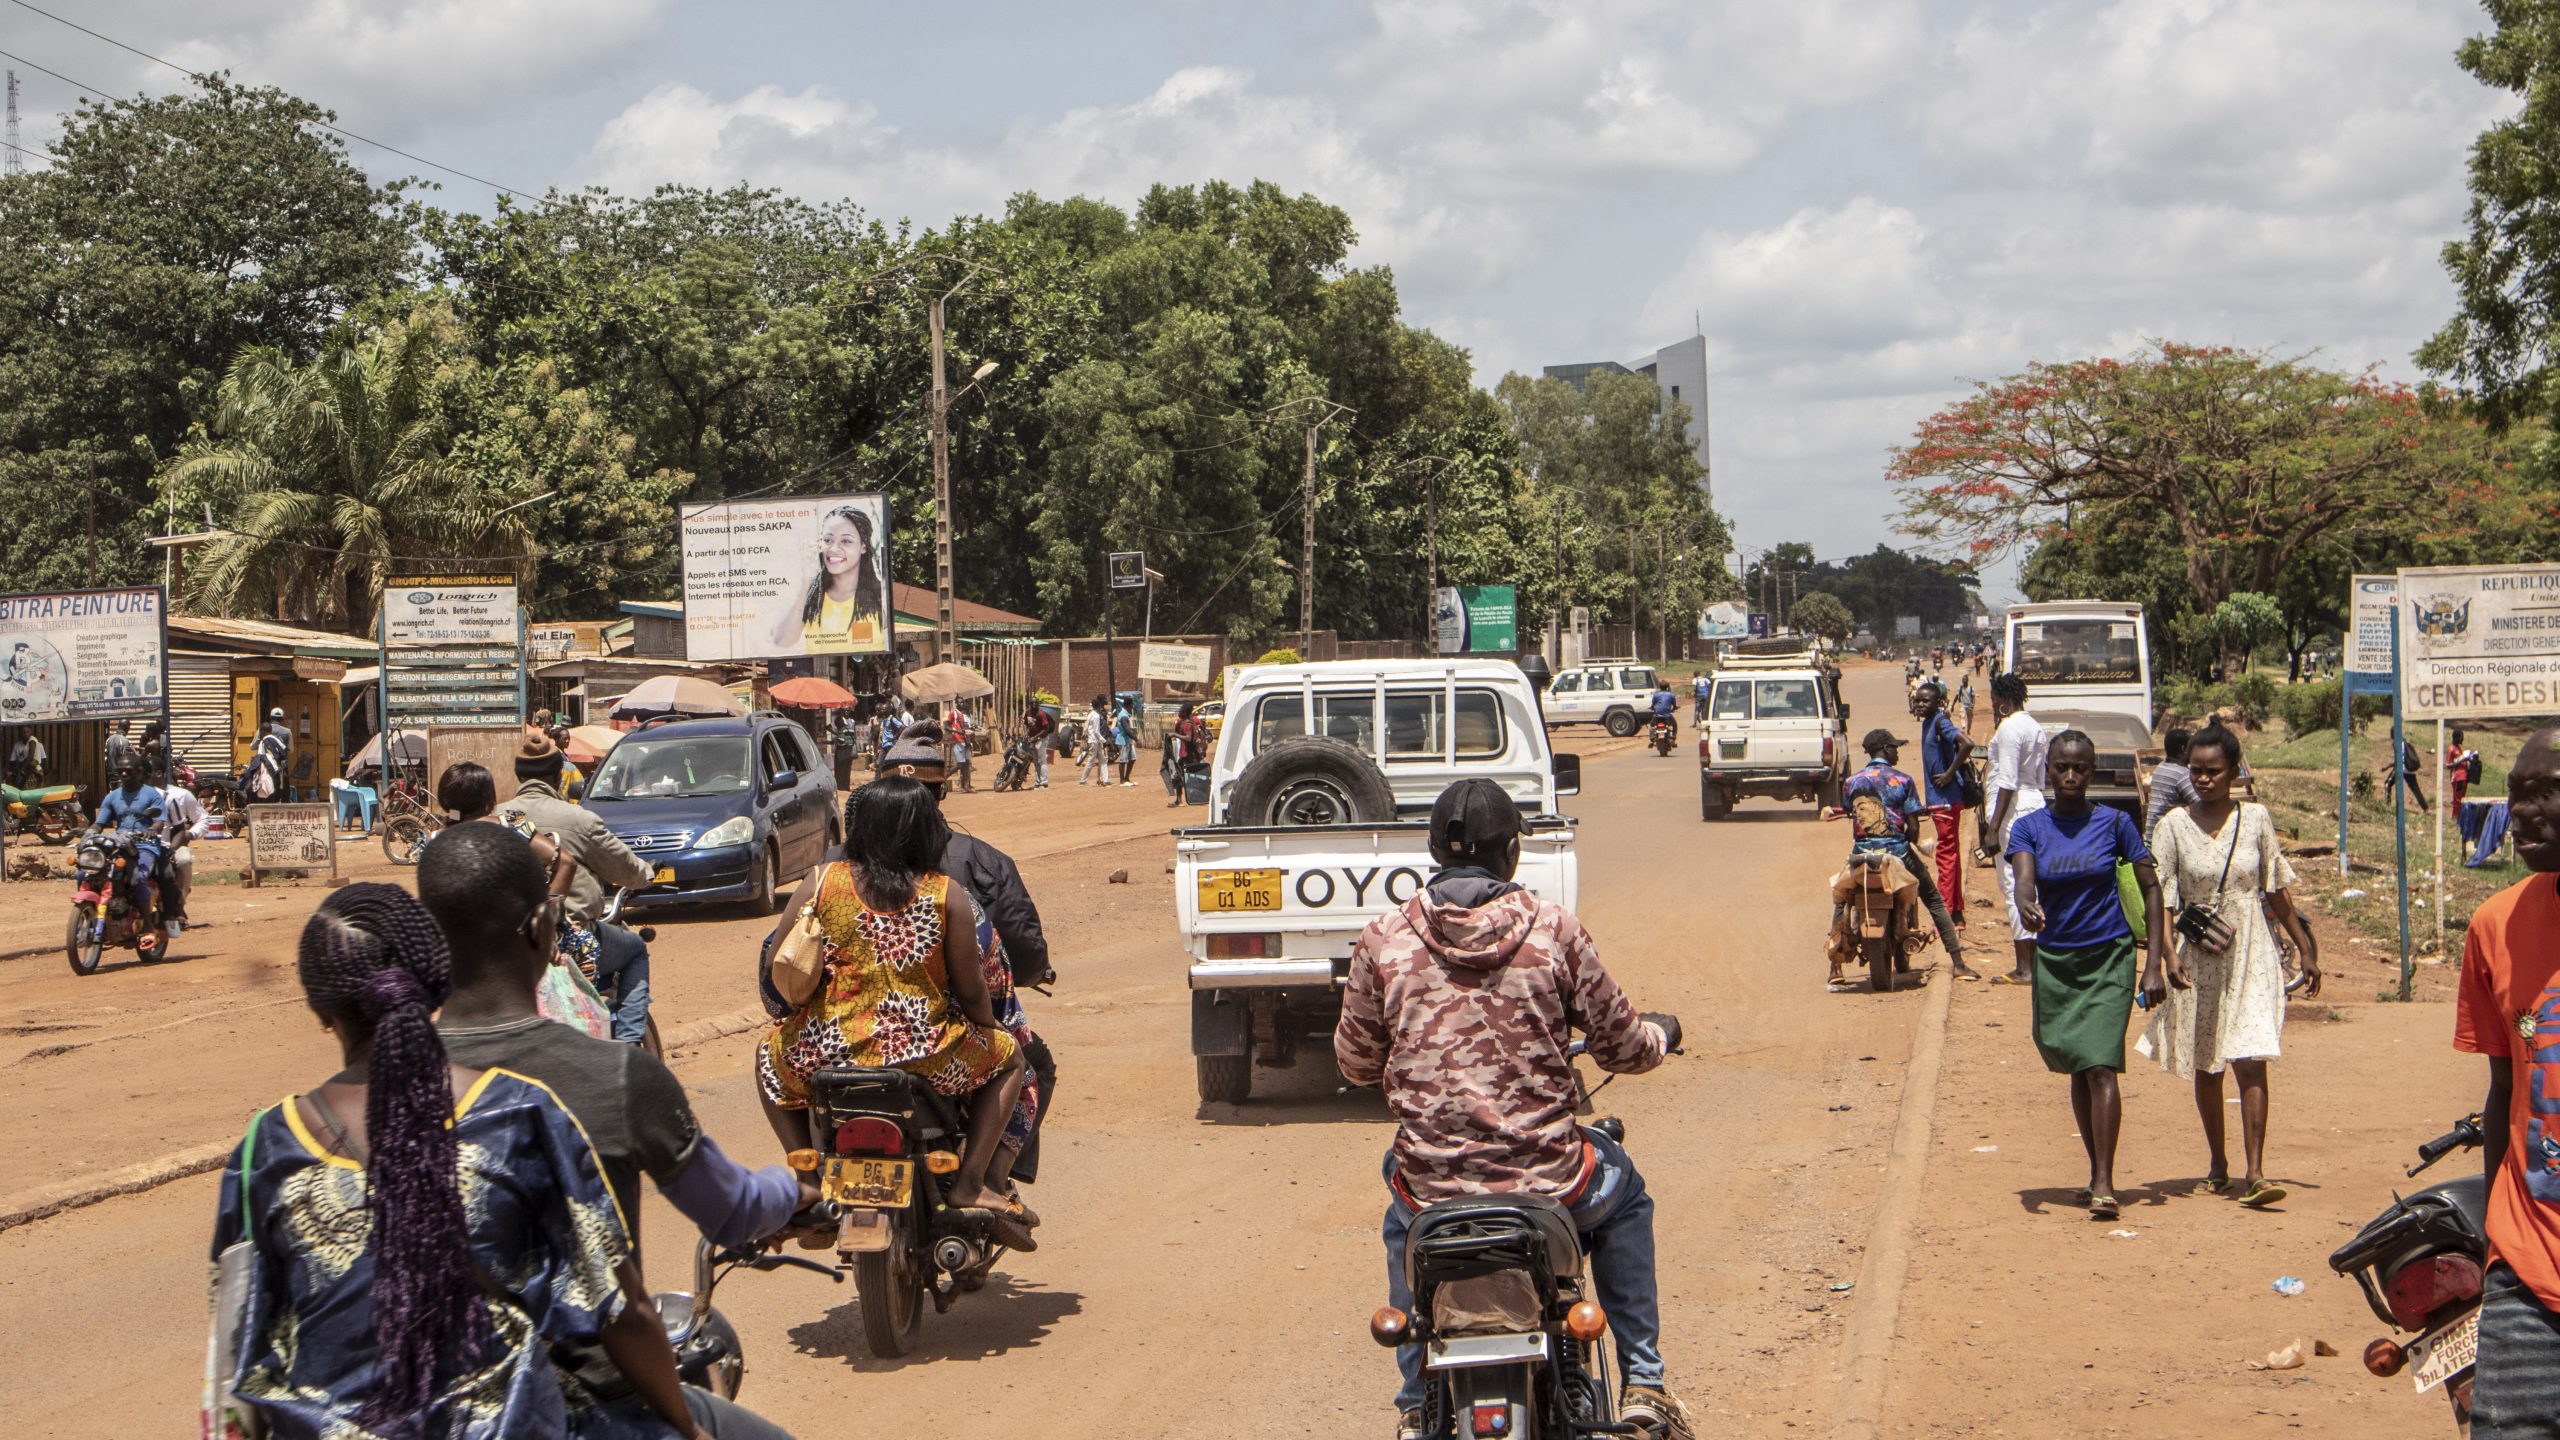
(507, 190)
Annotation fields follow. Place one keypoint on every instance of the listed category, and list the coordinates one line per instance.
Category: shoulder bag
(224, 1416)
(2202, 925)
(800, 960)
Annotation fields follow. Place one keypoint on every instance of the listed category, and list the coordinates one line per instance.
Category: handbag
(2203, 925)
(223, 1416)
(800, 960)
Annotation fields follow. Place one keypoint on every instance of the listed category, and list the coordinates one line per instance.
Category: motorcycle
(611, 993)
(51, 814)
(2420, 1264)
(1513, 1343)
(709, 1355)
(102, 910)
(1876, 909)
(886, 1144)
(1018, 757)
(1664, 734)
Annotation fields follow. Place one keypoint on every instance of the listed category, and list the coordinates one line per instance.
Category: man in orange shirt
(2509, 1011)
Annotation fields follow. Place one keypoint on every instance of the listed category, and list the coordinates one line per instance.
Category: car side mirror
(1844, 709)
(1568, 773)
(782, 780)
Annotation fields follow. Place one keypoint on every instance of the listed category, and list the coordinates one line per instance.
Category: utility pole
(17, 161)
(1430, 557)
(1307, 537)
(92, 526)
(942, 628)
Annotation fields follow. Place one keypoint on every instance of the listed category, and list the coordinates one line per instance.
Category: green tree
(2506, 267)
(2250, 459)
(333, 473)
(166, 235)
(2246, 621)
(1822, 613)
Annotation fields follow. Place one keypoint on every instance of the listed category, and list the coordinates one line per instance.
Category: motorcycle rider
(995, 882)
(604, 864)
(1887, 823)
(135, 809)
(1481, 1077)
(1666, 706)
(487, 890)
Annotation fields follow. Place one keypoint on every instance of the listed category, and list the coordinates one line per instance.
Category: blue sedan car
(733, 809)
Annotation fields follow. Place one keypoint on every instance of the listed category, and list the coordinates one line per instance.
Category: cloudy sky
(1865, 203)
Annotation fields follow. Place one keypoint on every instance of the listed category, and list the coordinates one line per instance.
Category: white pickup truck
(1319, 798)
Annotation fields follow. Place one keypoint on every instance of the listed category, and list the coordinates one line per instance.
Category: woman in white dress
(2225, 856)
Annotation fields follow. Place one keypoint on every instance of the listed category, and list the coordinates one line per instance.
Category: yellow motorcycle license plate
(1228, 891)
(886, 1183)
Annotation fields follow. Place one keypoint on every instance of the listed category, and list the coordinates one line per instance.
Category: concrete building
(1679, 372)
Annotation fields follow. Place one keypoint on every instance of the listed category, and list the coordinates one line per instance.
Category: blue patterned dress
(544, 1228)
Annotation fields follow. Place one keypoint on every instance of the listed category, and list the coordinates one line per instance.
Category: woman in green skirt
(2065, 858)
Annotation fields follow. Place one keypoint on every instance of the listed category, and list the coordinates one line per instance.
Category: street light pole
(941, 487)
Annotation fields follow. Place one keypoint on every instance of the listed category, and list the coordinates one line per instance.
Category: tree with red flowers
(2247, 457)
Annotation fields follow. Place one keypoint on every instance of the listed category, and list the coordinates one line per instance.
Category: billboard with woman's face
(806, 575)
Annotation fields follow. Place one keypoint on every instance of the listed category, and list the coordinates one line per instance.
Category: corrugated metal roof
(268, 637)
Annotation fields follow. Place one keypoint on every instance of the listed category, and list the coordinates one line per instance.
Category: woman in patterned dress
(906, 987)
(416, 1263)
(2225, 854)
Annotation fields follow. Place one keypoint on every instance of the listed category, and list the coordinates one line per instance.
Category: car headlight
(736, 830)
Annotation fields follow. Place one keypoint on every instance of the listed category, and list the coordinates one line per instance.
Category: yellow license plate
(886, 1183)
(1228, 891)
(666, 875)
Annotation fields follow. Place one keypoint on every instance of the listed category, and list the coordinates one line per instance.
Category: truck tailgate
(1279, 904)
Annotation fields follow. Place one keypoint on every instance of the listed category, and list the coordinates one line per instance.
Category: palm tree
(333, 473)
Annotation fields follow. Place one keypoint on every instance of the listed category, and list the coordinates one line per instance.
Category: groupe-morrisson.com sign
(2480, 641)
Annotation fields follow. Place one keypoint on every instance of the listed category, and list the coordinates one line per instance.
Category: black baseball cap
(1880, 739)
(1473, 820)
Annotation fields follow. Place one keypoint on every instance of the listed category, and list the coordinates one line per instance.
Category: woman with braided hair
(419, 1259)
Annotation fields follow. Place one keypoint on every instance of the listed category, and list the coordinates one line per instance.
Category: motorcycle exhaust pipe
(956, 1254)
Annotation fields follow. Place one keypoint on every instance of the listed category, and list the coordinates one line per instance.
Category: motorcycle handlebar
(2465, 1135)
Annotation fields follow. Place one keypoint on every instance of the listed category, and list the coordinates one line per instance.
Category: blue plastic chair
(357, 804)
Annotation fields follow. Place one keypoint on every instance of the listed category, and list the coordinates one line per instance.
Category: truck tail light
(1827, 752)
(1244, 947)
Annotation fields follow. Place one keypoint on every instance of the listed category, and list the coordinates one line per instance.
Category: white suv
(1614, 694)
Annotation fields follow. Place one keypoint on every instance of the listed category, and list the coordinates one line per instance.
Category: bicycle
(408, 820)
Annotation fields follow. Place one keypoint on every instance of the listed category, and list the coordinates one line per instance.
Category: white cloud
(388, 67)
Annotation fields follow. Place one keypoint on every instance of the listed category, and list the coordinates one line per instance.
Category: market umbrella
(588, 743)
(409, 747)
(811, 692)
(943, 683)
(676, 695)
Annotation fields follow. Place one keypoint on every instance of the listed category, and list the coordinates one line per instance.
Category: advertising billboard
(2371, 602)
(83, 655)
(772, 579)
(2480, 641)
(1723, 620)
(1478, 619)
(452, 651)
(1177, 664)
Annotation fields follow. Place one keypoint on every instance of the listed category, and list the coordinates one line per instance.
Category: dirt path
(1227, 1258)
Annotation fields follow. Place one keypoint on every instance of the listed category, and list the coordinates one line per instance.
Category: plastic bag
(564, 995)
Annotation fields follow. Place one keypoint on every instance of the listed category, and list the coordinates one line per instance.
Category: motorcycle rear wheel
(892, 1298)
(1878, 950)
(79, 947)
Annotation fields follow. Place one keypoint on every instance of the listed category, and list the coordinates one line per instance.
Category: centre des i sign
(2480, 641)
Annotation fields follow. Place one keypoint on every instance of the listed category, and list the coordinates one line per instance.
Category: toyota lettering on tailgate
(1319, 889)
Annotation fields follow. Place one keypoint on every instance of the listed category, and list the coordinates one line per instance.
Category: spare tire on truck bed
(1311, 780)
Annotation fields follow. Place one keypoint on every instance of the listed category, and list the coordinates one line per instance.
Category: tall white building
(1679, 372)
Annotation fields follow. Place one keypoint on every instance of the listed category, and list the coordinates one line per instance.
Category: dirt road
(1223, 1261)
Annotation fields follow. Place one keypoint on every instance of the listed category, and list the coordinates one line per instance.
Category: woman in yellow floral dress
(905, 985)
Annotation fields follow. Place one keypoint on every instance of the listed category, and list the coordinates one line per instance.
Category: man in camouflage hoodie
(1459, 1006)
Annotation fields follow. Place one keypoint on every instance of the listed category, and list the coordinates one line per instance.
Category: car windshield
(2053, 652)
(644, 769)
